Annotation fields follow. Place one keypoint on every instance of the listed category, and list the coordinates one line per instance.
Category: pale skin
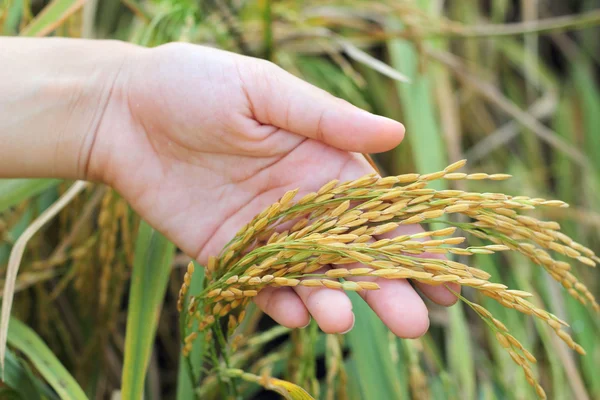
(198, 141)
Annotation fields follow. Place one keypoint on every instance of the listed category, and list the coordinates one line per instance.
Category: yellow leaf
(290, 390)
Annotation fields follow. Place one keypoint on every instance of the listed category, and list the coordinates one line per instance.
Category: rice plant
(342, 224)
(510, 86)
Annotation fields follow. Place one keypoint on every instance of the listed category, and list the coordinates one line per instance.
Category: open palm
(212, 138)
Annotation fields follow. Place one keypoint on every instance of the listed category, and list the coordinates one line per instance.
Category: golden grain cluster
(342, 224)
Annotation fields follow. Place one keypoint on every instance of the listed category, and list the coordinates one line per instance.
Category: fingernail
(351, 326)
(309, 321)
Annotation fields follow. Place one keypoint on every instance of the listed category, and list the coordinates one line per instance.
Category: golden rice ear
(341, 224)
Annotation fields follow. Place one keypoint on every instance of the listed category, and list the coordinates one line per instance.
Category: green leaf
(583, 77)
(151, 270)
(11, 18)
(370, 349)
(420, 117)
(500, 363)
(185, 387)
(331, 78)
(460, 351)
(17, 376)
(9, 394)
(24, 339)
(14, 191)
(52, 16)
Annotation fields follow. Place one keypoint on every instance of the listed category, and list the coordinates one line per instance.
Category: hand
(200, 140)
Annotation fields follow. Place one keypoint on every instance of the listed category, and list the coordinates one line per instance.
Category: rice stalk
(341, 224)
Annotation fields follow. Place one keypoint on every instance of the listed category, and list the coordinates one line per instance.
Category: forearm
(53, 93)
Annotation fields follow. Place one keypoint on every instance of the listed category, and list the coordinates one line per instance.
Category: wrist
(54, 95)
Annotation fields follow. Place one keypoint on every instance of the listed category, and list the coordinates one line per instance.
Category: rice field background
(512, 86)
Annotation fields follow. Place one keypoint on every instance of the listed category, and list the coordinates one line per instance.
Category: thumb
(280, 99)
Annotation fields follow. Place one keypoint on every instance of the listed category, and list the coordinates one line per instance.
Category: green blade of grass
(24, 339)
(14, 191)
(52, 16)
(151, 269)
(511, 380)
(19, 377)
(583, 77)
(375, 369)
(575, 119)
(460, 352)
(423, 134)
(584, 332)
(267, 30)
(329, 77)
(11, 18)
(185, 387)
(353, 387)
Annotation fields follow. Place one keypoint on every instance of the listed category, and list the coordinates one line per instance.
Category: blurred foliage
(510, 85)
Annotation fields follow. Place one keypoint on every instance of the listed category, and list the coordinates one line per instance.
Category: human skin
(198, 141)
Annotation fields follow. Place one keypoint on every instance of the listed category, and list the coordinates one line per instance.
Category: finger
(331, 308)
(438, 294)
(284, 306)
(278, 98)
(441, 294)
(396, 303)
(399, 307)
